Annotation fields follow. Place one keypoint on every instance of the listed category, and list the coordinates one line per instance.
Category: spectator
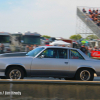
(26, 48)
(94, 15)
(98, 23)
(96, 12)
(39, 45)
(86, 52)
(63, 45)
(83, 49)
(8, 50)
(89, 11)
(99, 49)
(95, 49)
(34, 46)
(93, 11)
(89, 51)
(91, 16)
(30, 47)
(98, 16)
(84, 10)
(99, 12)
(2, 48)
(95, 18)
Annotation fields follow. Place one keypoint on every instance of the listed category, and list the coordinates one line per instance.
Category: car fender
(19, 64)
(85, 66)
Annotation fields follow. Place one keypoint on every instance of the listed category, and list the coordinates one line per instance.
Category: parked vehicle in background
(23, 39)
(92, 43)
(50, 61)
(51, 39)
(5, 40)
(68, 41)
(31, 38)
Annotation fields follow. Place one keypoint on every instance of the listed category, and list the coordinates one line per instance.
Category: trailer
(21, 40)
(5, 40)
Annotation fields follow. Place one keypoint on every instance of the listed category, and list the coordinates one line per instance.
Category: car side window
(54, 53)
(62, 53)
(74, 54)
(49, 53)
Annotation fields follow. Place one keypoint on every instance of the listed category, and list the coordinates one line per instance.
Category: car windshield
(34, 52)
(4, 38)
(31, 39)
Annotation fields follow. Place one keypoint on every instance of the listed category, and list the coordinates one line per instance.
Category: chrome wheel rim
(85, 75)
(15, 74)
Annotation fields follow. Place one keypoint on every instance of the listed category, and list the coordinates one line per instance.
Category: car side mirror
(42, 56)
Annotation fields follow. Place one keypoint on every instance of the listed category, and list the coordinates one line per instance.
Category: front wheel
(85, 75)
(15, 73)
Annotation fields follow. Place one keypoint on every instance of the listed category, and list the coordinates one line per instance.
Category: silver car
(50, 61)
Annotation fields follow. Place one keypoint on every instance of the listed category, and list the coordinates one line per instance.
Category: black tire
(16, 72)
(88, 75)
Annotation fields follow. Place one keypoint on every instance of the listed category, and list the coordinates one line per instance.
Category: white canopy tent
(59, 43)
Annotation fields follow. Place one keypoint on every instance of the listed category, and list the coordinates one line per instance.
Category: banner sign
(95, 53)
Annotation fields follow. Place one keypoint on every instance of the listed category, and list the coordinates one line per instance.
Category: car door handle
(66, 62)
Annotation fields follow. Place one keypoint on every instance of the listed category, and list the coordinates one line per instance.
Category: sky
(55, 18)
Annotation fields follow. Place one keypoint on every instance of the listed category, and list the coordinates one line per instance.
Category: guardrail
(49, 90)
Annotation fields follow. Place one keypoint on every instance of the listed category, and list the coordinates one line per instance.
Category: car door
(54, 63)
(76, 60)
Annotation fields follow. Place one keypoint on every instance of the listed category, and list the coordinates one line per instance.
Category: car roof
(84, 55)
(58, 47)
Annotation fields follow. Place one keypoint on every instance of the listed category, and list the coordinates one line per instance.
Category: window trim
(78, 52)
(57, 52)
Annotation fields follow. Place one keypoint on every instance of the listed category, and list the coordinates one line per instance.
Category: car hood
(14, 57)
(24, 61)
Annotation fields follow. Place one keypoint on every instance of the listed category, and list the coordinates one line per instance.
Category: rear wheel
(15, 73)
(85, 75)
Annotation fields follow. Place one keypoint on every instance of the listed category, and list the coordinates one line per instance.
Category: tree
(92, 37)
(76, 37)
(46, 36)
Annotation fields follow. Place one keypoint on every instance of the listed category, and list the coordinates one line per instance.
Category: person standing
(84, 10)
(83, 49)
(30, 47)
(89, 51)
(26, 48)
(95, 49)
(2, 48)
(98, 23)
(34, 46)
(86, 52)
